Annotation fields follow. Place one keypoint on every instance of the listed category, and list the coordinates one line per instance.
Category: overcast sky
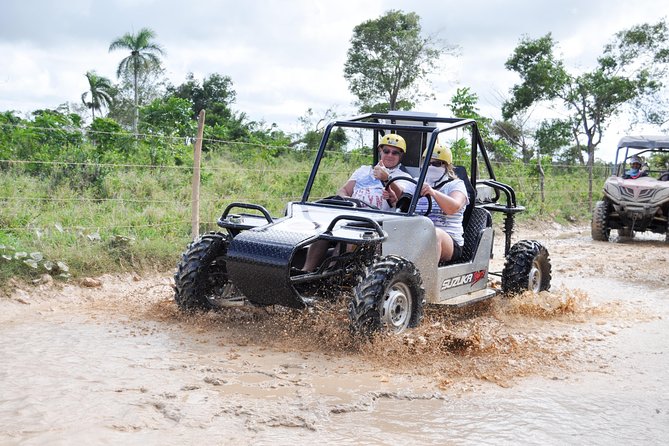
(286, 56)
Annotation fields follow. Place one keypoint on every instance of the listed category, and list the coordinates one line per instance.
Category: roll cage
(421, 132)
(639, 145)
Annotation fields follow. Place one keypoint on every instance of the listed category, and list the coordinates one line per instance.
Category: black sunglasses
(392, 152)
(436, 163)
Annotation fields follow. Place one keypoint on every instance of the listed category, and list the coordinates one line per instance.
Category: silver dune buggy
(392, 272)
(635, 203)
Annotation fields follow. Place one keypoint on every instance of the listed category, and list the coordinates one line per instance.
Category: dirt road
(117, 363)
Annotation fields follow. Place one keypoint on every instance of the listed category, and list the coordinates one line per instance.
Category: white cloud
(287, 56)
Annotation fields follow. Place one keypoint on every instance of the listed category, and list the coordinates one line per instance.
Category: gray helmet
(635, 159)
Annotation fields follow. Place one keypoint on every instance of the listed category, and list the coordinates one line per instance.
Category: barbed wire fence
(528, 187)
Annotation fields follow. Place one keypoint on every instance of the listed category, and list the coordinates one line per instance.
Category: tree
(515, 133)
(100, 89)
(647, 46)
(547, 140)
(313, 127)
(9, 126)
(214, 95)
(143, 57)
(150, 86)
(631, 68)
(387, 61)
(111, 141)
(463, 105)
(552, 135)
(171, 118)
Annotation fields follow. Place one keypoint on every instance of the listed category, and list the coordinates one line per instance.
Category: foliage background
(89, 202)
(113, 193)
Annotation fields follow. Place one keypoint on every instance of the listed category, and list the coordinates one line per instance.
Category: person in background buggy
(637, 170)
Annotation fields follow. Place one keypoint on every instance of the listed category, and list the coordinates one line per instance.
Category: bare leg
(315, 254)
(444, 245)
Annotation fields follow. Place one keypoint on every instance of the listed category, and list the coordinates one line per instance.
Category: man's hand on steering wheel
(390, 196)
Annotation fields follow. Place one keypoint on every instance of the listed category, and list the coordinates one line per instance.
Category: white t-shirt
(370, 189)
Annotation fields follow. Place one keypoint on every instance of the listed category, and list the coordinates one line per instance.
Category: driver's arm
(396, 188)
(347, 189)
(451, 203)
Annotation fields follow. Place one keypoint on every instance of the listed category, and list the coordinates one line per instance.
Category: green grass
(138, 218)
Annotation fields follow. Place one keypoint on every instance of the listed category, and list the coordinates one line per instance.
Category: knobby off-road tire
(389, 298)
(527, 267)
(599, 227)
(201, 274)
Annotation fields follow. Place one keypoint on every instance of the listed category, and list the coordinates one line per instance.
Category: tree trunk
(542, 178)
(579, 151)
(527, 155)
(135, 123)
(591, 162)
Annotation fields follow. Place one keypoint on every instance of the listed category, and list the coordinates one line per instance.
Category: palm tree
(143, 56)
(100, 89)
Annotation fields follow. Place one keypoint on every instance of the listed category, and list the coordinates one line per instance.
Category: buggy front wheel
(201, 280)
(599, 228)
(390, 298)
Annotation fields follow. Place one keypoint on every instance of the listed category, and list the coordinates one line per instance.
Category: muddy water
(584, 364)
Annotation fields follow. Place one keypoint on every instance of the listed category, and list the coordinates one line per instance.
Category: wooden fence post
(542, 179)
(197, 152)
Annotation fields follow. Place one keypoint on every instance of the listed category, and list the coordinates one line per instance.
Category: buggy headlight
(612, 191)
(661, 197)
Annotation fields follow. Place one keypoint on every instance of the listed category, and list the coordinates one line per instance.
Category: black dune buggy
(392, 270)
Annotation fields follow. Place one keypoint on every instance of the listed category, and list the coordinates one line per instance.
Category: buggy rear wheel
(599, 228)
(201, 279)
(527, 267)
(390, 298)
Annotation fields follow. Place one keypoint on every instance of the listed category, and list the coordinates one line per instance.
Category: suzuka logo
(464, 279)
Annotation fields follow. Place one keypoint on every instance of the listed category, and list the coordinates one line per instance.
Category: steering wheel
(351, 202)
(406, 197)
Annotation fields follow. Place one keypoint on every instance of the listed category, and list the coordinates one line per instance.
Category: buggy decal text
(464, 279)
